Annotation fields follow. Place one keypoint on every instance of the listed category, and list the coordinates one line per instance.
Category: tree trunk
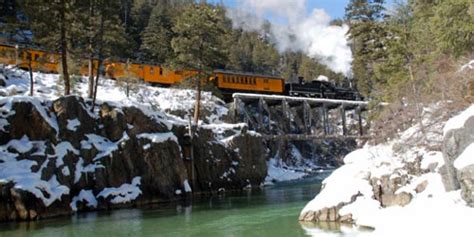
(419, 110)
(197, 106)
(99, 61)
(90, 91)
(32, 84)
(67, 84)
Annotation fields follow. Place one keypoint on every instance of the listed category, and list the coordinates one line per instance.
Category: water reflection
(272, 211)
(333, 229)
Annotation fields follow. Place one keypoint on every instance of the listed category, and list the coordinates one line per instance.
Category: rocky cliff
(57, 157)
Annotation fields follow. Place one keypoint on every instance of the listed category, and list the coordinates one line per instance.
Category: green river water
(272, 211)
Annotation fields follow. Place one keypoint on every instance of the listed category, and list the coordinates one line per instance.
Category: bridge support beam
(343, 117)
(287, 115)
(236, 110)
(359, 117)
(307, 117)
(325, 115)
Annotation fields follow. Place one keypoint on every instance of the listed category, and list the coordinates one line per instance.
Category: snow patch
(279, 173)
(85, 196)
(466, 158)
(459, 120)
(62, 149)
(73, 124)
(187, 187)
(20, 173)
(159, 137)
(123, 194)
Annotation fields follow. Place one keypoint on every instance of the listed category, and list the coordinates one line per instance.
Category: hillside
(421, 181)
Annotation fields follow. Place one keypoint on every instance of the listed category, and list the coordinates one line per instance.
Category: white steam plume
(294, 29)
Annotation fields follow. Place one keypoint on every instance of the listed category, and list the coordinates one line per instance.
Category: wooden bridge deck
(303, 137)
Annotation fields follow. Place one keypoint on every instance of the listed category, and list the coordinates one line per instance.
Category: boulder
(142, 123)
(252, 164)
(385, 190)
(238, 163)
(74, 121)
(28, 120)
(454, 143)
(114, 122)
(466, 178)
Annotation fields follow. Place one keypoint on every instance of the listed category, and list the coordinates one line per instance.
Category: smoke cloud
(293, 28)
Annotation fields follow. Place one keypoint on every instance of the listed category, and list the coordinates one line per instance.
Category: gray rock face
(329, 214)
(385, 191)
(73, 108)
(466, 180)
(113, 121)
(454, 143)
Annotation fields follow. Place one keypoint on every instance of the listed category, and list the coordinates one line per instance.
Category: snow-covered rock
(458, 151)
(59, 154)
(400, 192)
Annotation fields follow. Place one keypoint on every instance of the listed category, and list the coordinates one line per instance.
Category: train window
(51, 58)
(151, 71)
(265, 80)
(36, 57)
(233, 80)
(161, 71)
(254, 81)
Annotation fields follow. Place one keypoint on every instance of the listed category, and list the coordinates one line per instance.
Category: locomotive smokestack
(301, 80)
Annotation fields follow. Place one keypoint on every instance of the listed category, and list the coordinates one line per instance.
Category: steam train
(228, 82)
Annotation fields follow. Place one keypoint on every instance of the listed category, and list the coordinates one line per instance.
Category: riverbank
(417, 185)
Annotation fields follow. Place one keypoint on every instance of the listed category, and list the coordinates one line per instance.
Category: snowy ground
(145, 97)
(432, 212)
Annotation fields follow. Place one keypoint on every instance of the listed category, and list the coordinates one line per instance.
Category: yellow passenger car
(230, 82)
(41, 60)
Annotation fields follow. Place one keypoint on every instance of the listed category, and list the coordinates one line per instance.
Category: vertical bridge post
(325, 119)
(343, 117)
(359, 117)
(261, 110)
(236, 110)
(308, 117)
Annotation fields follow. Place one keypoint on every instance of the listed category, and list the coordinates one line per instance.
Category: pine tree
(97, 25)
(51, 23)
(196, 45)
(454, 26)
(368, 42)
(158, 35)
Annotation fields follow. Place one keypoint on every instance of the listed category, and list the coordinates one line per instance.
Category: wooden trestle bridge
(312, 116)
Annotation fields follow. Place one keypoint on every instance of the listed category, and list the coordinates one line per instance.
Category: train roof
(246, 74)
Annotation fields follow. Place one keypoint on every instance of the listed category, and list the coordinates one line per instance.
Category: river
(271, 211)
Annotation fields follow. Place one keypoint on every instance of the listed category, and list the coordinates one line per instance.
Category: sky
(335, 8)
